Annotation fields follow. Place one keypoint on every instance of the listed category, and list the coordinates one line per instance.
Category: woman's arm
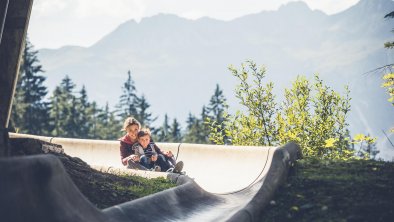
(124, 153)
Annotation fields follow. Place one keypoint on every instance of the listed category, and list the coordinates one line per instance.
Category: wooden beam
(11, 47)
(3, 13)
(3, 131)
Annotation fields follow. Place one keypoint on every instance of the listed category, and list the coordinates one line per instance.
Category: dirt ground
(328, 190)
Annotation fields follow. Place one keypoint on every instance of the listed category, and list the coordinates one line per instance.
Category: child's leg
(133, 165)
(171, 161)
(161, 161)
(146, 162)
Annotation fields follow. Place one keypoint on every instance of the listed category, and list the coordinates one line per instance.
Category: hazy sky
(55, 23)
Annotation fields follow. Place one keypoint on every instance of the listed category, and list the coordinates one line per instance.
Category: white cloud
(43, 8)
(113, 8)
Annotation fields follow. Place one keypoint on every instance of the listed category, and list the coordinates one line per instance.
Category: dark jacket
(152, 149)
(125, 148)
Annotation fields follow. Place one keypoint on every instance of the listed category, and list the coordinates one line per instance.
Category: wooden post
(14, 27)
(3, 13)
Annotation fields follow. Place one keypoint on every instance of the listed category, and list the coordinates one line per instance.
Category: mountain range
(176, 62)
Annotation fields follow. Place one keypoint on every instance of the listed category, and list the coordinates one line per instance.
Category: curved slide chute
(217, 169)
(223, 183)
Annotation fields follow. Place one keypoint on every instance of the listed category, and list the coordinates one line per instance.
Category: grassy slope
(106, 190)
(101, 189)
(321, 190)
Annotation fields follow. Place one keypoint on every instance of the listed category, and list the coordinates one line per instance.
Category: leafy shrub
(312, 115)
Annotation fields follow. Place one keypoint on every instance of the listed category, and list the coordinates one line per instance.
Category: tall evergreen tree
(30, 110)
(55, 112)
(163, 134)
(84, 115)
(389, 44)
(106, 125)
(175, 132)
(63, 109)
(94, 112)
(72, 123)
(205, 130)
(195, 130)
(128, 99)
(190, 134)
(217, 111)
(18, 110)
(217, 106)
(369, 148)
(143, 115)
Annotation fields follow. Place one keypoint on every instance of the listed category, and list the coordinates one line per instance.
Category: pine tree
(18, 109)
(217, 106)
(175, 132)
(55, 112)
(204, 126)
(30, 110)
(371, 149)
(128, 99)
(84, 115)
(190, 134)
(163, 133)
(72, 123)
(105, 124)
(389, 44)
(63, 109)
(217, 111)
(195, 130)
(94, 112)
(143, 115)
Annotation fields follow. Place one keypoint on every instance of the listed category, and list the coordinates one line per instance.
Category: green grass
(117, 189)
(323, 190)
(104, 189)
(143, 187)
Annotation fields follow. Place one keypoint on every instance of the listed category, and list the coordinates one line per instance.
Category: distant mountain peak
(366, 7)
(162, 16)
(295, 6)
(375, 4)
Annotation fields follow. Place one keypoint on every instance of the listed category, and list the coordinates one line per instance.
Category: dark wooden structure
(14, 20)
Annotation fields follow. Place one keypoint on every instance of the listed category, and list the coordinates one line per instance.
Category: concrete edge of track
(130, 172)
(176, 178)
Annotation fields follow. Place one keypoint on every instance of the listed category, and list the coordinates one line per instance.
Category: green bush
(312, 115)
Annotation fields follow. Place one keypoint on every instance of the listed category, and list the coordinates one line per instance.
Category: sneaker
(178, 167)
(157, 169)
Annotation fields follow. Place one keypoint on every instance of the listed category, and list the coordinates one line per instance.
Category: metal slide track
(223, 183)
